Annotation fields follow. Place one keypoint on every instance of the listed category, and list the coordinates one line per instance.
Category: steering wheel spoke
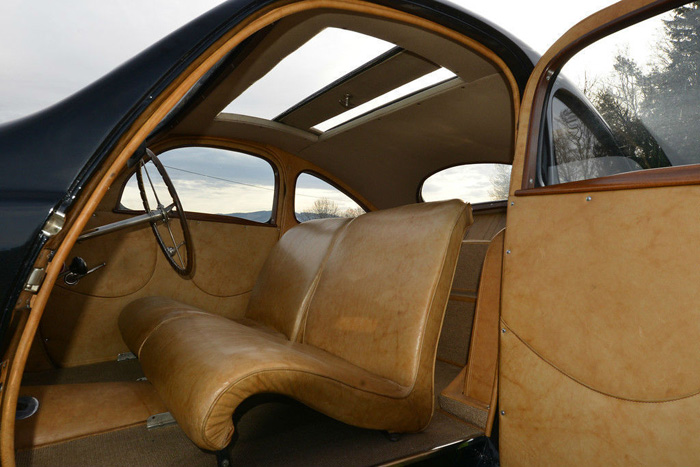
(183, 263)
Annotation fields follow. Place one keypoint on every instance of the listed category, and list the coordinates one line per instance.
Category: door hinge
(36, 278)
(54, 224)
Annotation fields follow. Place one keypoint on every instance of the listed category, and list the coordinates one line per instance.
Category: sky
(51, 49)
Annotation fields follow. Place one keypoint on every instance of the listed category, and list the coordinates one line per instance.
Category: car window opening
(326, 57)
(424, 82)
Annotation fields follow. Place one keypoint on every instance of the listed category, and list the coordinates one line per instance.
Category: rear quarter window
(472, 183)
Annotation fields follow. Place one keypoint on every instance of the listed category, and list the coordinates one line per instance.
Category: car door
(600, 306)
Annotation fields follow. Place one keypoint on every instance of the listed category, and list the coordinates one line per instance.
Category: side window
(214, 181)
(583, 146)
(472, 183)
(629, 102)
(317, 199)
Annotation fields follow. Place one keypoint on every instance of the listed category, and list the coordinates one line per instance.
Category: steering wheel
(161, 217)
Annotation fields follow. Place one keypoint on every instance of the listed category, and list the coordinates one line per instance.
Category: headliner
(386, 154)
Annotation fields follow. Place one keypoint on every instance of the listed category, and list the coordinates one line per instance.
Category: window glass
(633, 102)
(212, 181)
(317, 199)
(583, 145)
(472, 183)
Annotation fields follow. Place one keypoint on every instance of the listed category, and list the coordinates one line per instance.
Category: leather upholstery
(136, 324)
(374, 293)
(300, 257)
(291, 271)
(367, 353)
(483, 351)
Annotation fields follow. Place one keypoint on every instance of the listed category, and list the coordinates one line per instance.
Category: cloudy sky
(51, 49)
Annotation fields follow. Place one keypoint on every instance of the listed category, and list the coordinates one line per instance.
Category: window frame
(324, 179)
(541, 94)
(159, 149)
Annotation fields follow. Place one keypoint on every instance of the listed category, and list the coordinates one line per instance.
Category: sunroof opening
(326, 57)
(424, 82)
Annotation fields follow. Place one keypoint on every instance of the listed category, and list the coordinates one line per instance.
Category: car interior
(256, 329)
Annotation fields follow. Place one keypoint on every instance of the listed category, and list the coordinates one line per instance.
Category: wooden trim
(459, 296)
(139, 131)
(488, 206)
(203, 216)
(593, 28)
(650, 178)
(449, 362)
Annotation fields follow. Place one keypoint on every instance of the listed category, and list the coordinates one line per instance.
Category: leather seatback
(375, 294)
(288, 279)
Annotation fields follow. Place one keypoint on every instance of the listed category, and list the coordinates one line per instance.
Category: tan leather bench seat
(344, 317)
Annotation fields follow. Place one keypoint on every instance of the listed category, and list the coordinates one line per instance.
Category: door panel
(79, 326)
(550, 419)
(117, 252)
(603, 289)
(599, 304)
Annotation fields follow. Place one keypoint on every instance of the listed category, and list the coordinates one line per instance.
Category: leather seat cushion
(193, 365)
(143, 316)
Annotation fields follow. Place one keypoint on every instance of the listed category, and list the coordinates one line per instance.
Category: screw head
(503, 330)
(507, 252)
(503, 412)
(588, 198)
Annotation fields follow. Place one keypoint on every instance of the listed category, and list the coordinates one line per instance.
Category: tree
(672, 88)
(652, 114)
(322, 208)
(500, 183)
(353, 212)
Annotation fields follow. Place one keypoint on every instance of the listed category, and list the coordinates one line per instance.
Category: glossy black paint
(49, 156)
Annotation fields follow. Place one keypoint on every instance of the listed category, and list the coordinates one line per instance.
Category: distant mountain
(256, 216)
